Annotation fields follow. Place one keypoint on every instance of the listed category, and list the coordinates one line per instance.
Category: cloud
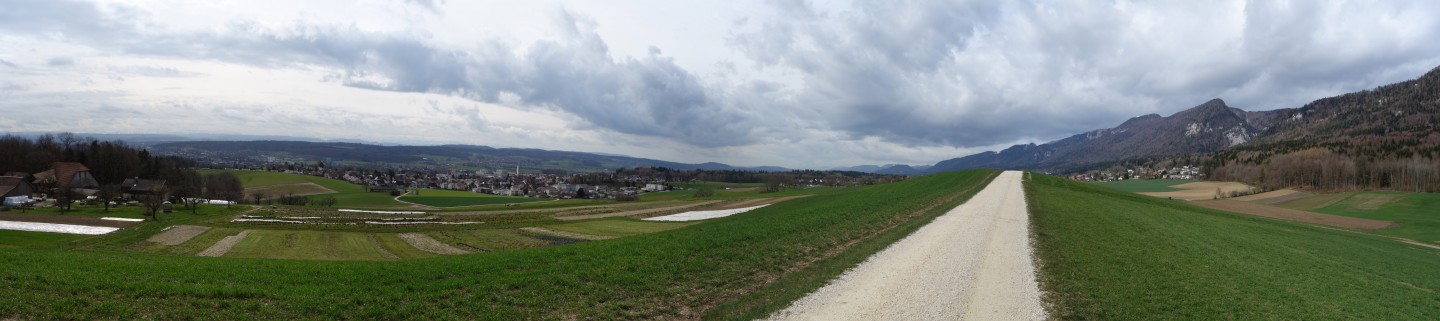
(978, 73)
(431, 5)
(60, 62)
(904, 80)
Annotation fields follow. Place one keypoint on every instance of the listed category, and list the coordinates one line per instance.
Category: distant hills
(442, 155)
(1393, 121)
(1209, 127)
(890, 169)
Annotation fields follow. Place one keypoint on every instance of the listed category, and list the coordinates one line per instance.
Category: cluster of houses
(20, 189)
(397, 181)
(1185, 172)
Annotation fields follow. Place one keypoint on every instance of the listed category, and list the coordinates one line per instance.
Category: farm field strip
(224, 245)
(175, 235)
(974, 262)
(702, 215)
(1107, 254)
(56, 228)
(428, 244)
(1262, 210)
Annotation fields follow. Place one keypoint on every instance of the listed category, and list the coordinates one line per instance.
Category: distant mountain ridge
(441, 155)
(1393, 120)
(1208, 127)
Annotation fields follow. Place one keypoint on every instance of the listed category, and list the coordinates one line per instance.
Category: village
(1185, 172)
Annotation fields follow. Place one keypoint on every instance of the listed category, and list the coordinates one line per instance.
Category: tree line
(111, 163)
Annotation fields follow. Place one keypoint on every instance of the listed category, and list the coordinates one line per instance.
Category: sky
(800, 84)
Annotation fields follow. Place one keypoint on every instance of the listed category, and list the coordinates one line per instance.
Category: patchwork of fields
(1101, 254)
(740, 265)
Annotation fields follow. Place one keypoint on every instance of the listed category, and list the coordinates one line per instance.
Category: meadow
(348, 195)
(1108, 254)
(1417, 213)
(1145, 185)
(447, 198)
(750, 263)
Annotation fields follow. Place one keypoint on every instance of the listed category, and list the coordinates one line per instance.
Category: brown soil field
(429, 244)
(1296, 215)
(564, 234)
(178, 234)
(64, 219)
(1201, 190)
(1274, 197)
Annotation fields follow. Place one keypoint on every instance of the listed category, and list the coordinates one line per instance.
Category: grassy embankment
(1108, 254)
(757, 260)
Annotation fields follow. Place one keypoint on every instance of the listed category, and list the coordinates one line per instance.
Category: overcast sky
(788, 83)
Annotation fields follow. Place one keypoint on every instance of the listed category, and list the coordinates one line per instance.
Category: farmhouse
(67, 175)
(15, 190)
(133, 187)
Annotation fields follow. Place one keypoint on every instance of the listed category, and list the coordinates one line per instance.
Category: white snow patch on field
(122, 219)
(56, 228)
(702, 215)
(382, 212)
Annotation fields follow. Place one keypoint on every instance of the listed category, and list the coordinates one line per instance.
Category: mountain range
(442, 155)
(1397, 120)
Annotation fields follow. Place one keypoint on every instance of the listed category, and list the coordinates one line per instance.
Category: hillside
(1384, 138)
(446, 155)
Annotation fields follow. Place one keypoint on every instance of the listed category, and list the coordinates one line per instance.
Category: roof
(65, 172)
(9, 183)
(61, 173)
(136, 185)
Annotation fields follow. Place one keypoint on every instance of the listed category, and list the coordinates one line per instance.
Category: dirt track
(971, 263)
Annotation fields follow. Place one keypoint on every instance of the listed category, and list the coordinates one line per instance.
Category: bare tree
(155, 201)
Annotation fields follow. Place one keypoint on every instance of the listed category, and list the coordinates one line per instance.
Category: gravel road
(973, 263)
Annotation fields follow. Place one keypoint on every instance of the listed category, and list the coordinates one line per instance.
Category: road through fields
(972, 263)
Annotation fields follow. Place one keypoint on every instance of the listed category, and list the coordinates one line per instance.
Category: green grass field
(26, 239)
(348, 195)
(750, 263)
(444, 198)
(1145, 185)
(1417, 213)
(1111, 255)
(308, 245)
(618, 227)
